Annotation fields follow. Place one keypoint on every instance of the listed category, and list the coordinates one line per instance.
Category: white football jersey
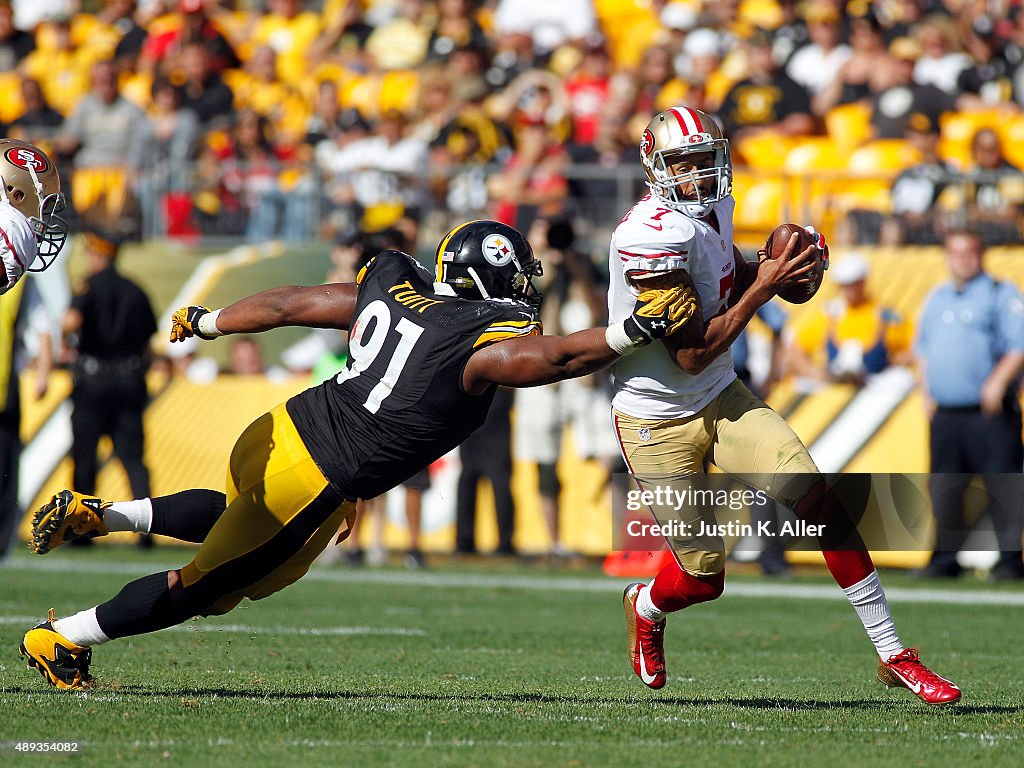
(17, 245)
(654, 238)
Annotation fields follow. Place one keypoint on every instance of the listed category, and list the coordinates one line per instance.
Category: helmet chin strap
(479, 283)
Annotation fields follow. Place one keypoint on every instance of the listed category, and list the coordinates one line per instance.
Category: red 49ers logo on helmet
(646, 142)
(27, 158)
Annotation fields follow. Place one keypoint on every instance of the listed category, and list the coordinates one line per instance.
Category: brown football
(801, 292)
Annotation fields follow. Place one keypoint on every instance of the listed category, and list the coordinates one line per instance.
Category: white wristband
(207, 324)
(616, 338)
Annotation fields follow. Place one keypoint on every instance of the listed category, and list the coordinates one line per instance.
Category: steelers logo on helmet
(27, 158)
(498, 250)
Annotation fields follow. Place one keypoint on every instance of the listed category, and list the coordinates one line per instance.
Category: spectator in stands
(62, 68)
(259, 88)
(454, 29)
(337, 160)
(700, 65)
(917, 218)
(970, 350)
(587, 90)
(291, 31)
(897, 95)
(195, 27)
(532, 182)
(25, 339)
(487, 455)
(15, 44)
(574, 298)
(39, 122)
(768, 99)
(245, 358)
(816, 65)
(343, 41)
(791, 34)
(851, 337)
(108, 327)
(119, 15)
(942, 59)
(167, 153)
(991, 196)
(853, 82)
(202, 90)
(401, 43)
(325, 122)
(105, 134)
(544, 25)
(987, 83)
(652, 88)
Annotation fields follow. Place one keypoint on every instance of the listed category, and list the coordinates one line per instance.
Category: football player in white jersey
(678, 404)
(31, 229)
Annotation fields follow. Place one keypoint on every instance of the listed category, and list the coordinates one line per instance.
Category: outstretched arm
(319, 306)
(534, 360)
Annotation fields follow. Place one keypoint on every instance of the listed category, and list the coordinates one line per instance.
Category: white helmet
(668, 138)
(31, 185)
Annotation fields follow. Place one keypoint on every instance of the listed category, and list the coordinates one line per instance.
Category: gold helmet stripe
(439, 274)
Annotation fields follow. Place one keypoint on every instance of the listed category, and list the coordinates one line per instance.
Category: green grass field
(510, 665)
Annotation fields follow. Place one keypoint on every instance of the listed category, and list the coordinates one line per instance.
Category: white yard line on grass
(544, 583)
(248, 629)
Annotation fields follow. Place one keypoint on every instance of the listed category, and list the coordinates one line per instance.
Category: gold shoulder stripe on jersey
(490, 336)
(362, 272)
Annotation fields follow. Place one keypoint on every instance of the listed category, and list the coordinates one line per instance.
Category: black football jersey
(399, 405)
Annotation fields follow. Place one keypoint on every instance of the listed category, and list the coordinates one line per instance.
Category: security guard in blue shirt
(970, 347)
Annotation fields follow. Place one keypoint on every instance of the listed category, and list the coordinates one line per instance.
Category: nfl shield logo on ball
(645, 434)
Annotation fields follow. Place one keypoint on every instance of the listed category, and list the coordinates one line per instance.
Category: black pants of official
(485, 457)
(109, 404)
(10, 455)
(965, 442)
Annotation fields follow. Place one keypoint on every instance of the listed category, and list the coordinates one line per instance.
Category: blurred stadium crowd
(883, 121)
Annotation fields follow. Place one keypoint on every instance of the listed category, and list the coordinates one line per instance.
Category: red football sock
(848, 566)
(674, 589)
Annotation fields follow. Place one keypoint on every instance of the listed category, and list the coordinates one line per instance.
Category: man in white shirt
(678, 405)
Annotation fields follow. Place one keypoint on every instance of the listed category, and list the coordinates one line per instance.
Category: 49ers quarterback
(30, 201)
(678, 404)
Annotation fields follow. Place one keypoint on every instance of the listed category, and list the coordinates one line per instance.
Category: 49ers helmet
(488, 260)
(30, 184)
(667, 140)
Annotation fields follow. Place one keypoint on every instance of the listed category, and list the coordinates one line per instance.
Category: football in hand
(801, 291)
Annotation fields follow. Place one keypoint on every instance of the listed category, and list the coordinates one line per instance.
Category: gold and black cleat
(62, 664)
(66, 517)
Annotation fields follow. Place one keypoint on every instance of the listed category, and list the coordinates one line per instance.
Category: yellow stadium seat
(1012, 135)
(884, 157)
(11, 106)
(760, 206)
(814, 154)
(849, 125)
(864, 195)
(764, 151)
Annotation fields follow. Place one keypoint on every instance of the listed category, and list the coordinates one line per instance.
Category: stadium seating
(849, 125)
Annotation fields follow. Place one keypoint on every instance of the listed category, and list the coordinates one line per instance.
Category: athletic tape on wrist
(207, 324)
(615, 336)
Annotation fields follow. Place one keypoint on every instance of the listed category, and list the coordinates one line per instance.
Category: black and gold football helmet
(488, 260)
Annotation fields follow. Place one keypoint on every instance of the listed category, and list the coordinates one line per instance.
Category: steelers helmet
(488, 260)
(30, 184)
(668, 139)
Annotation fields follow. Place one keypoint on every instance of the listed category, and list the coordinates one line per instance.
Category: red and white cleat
(905, 670)
(646, 641)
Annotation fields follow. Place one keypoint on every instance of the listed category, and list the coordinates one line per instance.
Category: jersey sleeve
(501, 330)
(17, 245)
(655, 246)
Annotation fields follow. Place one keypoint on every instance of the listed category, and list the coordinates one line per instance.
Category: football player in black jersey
(426, 353)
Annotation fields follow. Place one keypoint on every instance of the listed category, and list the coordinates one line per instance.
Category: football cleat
(66, 517)
(645, 641)
(905, 670)
(62, 664)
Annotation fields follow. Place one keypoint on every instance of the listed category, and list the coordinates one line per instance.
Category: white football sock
(645, 607)
(868, 598)
(135, 516)
(81, 629)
